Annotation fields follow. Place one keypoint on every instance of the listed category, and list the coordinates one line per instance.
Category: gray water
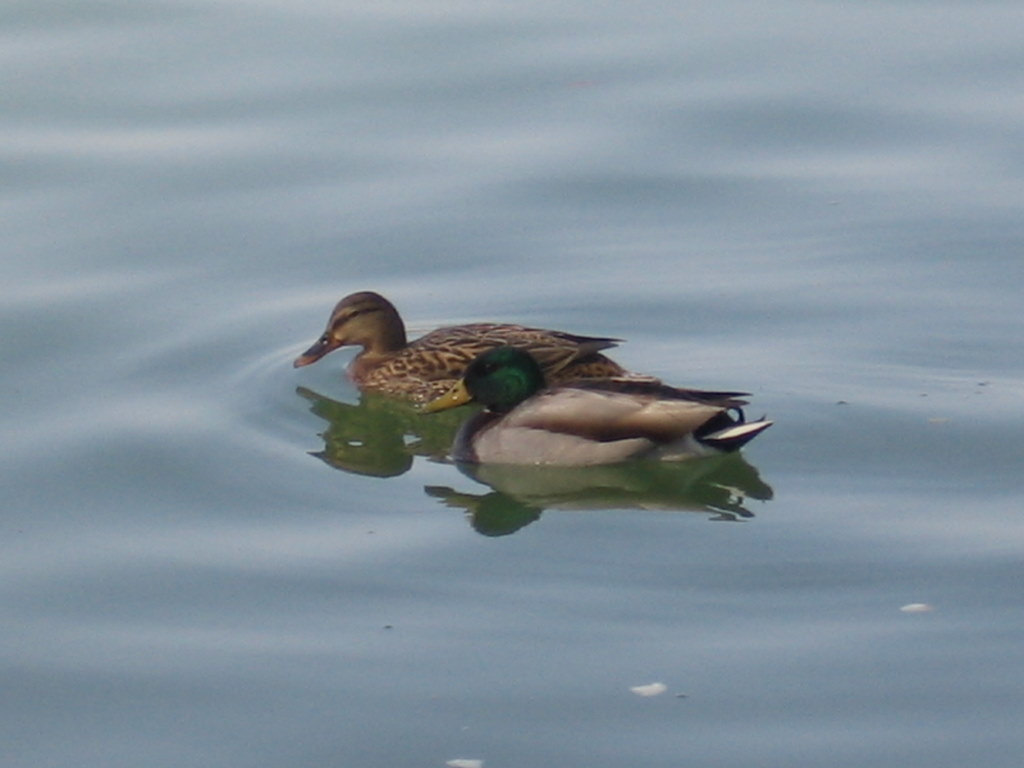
(210, 558)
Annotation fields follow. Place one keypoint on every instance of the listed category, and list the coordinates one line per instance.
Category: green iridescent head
(499, 379)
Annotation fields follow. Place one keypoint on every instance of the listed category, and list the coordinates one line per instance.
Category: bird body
(585, 423)
(428, 366)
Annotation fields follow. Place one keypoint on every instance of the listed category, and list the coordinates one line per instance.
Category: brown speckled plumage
(427, 367)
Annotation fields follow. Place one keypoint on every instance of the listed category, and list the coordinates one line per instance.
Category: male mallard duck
(430, 365)
(586, 422)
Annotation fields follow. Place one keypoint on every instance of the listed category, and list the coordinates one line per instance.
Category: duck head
(363, 319)
(499, 379)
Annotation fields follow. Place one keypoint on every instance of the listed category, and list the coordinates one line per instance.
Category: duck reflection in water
(380, 437)
(720, 486)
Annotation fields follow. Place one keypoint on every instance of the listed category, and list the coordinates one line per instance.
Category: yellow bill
(456, 396)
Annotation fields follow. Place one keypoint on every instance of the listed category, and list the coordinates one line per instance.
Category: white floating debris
(463, 763)
(917, 608)
(653, 689)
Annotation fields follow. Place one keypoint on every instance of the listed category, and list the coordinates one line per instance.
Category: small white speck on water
(916, 608)
(461, 762)
(651, 689)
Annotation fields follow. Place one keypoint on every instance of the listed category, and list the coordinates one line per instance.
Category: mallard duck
(601, 421)
(429, 366)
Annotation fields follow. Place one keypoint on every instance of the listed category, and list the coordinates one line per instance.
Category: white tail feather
(737, 431)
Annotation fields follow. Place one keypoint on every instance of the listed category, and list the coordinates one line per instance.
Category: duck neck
(387, 335)
(384, 339)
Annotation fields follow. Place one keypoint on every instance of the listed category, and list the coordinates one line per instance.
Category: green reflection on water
(380, 436)
(722, 486)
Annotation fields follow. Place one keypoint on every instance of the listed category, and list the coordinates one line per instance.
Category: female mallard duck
(602, 421)
(430, 365)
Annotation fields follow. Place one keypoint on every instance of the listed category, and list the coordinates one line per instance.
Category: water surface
(210, 558)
